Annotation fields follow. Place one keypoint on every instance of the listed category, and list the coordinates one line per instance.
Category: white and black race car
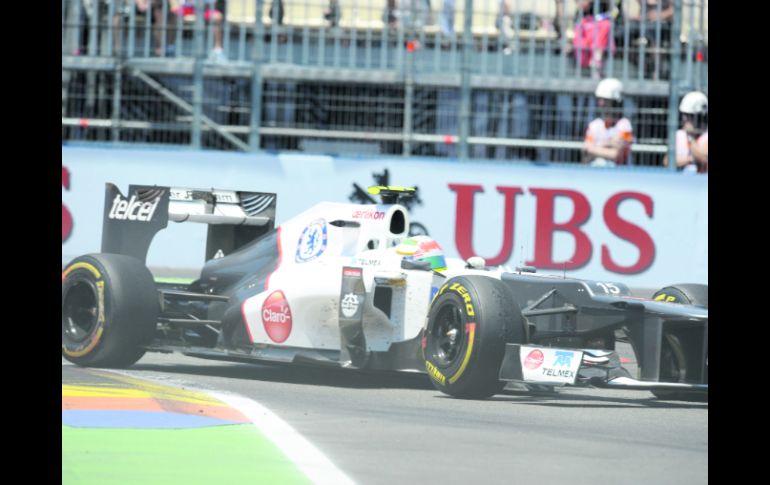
(345, 284)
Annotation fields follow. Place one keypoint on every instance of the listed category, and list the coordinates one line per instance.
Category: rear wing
(234, 218)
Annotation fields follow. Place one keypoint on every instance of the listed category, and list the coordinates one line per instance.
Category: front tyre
(470, 321)
(673, 363)
(110, 308)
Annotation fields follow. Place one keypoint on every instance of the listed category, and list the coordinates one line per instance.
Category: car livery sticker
(463, 292)
(135, 208)
(368, 214)
(365, 262)
(353, 272)
(276, 317)
(349, 305)
(554, 366)
(534, 359)
(312, 242)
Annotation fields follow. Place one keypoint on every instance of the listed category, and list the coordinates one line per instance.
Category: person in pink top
(692, 140)
(609, 137)
(592, 41)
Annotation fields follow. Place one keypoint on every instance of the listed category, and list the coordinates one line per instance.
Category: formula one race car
(346, 285)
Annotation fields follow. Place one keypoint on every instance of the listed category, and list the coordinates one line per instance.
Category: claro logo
(133, 209)
(534, 359)
(276, 317)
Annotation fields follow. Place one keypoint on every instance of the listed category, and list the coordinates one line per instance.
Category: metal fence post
(409, 82)
(465, 81)
(256, 79)
(673, 86)
(108, 41)
(702, 74)
(71, 41)
(195, 138)
(93, 26)
(117, 86)
(690, 38)
(132, 32)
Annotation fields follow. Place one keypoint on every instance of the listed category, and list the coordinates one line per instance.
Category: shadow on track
(580, 399)
(298, 374)
(358, 379)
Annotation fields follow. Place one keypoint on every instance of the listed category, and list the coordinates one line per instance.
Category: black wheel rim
(79, 310)
(447, 335)
(673, 365)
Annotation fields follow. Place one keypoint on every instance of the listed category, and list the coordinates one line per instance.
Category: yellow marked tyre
(470, 321)
(676, 364)
(109, 310)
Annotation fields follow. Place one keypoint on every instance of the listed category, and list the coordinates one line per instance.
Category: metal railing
(492, 79)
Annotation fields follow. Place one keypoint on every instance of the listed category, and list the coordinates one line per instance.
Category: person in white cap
(692, 140)
(609, 137)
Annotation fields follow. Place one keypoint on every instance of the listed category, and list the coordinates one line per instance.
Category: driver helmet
(423, 248)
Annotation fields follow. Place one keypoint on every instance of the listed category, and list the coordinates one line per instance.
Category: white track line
(314, 464)
(309, 459)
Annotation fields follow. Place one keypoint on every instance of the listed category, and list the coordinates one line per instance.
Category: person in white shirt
(608, 138)
(692, 140)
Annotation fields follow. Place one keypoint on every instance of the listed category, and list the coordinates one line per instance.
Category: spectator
(592, 39)
(160, 25)
(333, 13)
(557, 23)
(504, 25)
(391, 14)
(447, 21)
(609, 137)
(425, 14)
(276, 12)
(651, 13)
(414, 14)
(654, 11)
(214, 17)
(692, 140)
(163, 26)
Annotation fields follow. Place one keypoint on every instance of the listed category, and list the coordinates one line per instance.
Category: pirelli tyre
(673, 366)
(110, 308)
(469, 322)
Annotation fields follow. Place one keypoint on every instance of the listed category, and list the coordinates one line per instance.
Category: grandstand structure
(491, 79)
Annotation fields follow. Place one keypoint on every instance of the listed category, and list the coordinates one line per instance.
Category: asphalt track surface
(397, 428)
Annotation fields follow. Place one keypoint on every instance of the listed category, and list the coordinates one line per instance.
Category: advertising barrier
(644, 228)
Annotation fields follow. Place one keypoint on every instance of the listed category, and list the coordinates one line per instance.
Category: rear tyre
(110, 308)
(469, 323)
(673, 367)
